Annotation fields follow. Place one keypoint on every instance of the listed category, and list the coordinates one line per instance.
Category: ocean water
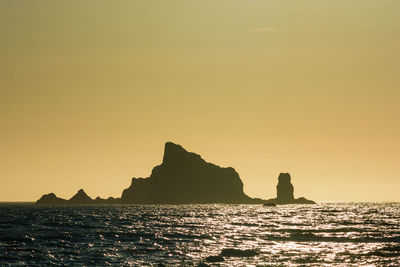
(329, 234)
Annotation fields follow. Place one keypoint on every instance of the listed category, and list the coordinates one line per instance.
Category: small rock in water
(231, 252)
(269, 205)
(389, 251)
(214, 259)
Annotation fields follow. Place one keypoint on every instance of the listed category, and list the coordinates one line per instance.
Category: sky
(91, 90)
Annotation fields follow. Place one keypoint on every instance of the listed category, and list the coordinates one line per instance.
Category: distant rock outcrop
(80, 198)
(284, 192)
(52, 199)
(184, 178)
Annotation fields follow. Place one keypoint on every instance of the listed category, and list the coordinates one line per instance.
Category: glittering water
(334, 234)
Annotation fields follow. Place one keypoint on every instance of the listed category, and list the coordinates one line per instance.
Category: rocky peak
(49, 199)
(80, 197)
(174, 153)
(184, 177)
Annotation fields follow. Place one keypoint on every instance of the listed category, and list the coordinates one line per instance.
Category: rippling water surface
(337, 234)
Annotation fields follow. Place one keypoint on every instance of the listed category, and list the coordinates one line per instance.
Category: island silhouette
(184, 178)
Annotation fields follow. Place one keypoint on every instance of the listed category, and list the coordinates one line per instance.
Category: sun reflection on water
(333, 234)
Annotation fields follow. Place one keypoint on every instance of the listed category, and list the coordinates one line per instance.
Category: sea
(325, 234)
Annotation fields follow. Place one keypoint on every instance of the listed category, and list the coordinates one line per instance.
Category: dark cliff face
(184, 177)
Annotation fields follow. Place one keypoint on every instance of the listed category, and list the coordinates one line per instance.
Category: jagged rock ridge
(80, 198)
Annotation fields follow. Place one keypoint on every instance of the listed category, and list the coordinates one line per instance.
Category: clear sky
(91, 90)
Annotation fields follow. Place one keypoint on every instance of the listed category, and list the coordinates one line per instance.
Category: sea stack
(284, 189)
(285, 192)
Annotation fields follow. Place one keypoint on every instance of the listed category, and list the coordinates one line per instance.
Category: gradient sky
(91, 90)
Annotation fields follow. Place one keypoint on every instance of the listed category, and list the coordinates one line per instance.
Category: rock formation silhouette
(284, 192)
(284, 189)
(183, 178)
(80, 198)
(51, 199)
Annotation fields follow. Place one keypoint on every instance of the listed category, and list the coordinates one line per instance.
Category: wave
(311, 237)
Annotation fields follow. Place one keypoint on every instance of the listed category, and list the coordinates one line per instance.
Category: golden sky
(91, 90)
